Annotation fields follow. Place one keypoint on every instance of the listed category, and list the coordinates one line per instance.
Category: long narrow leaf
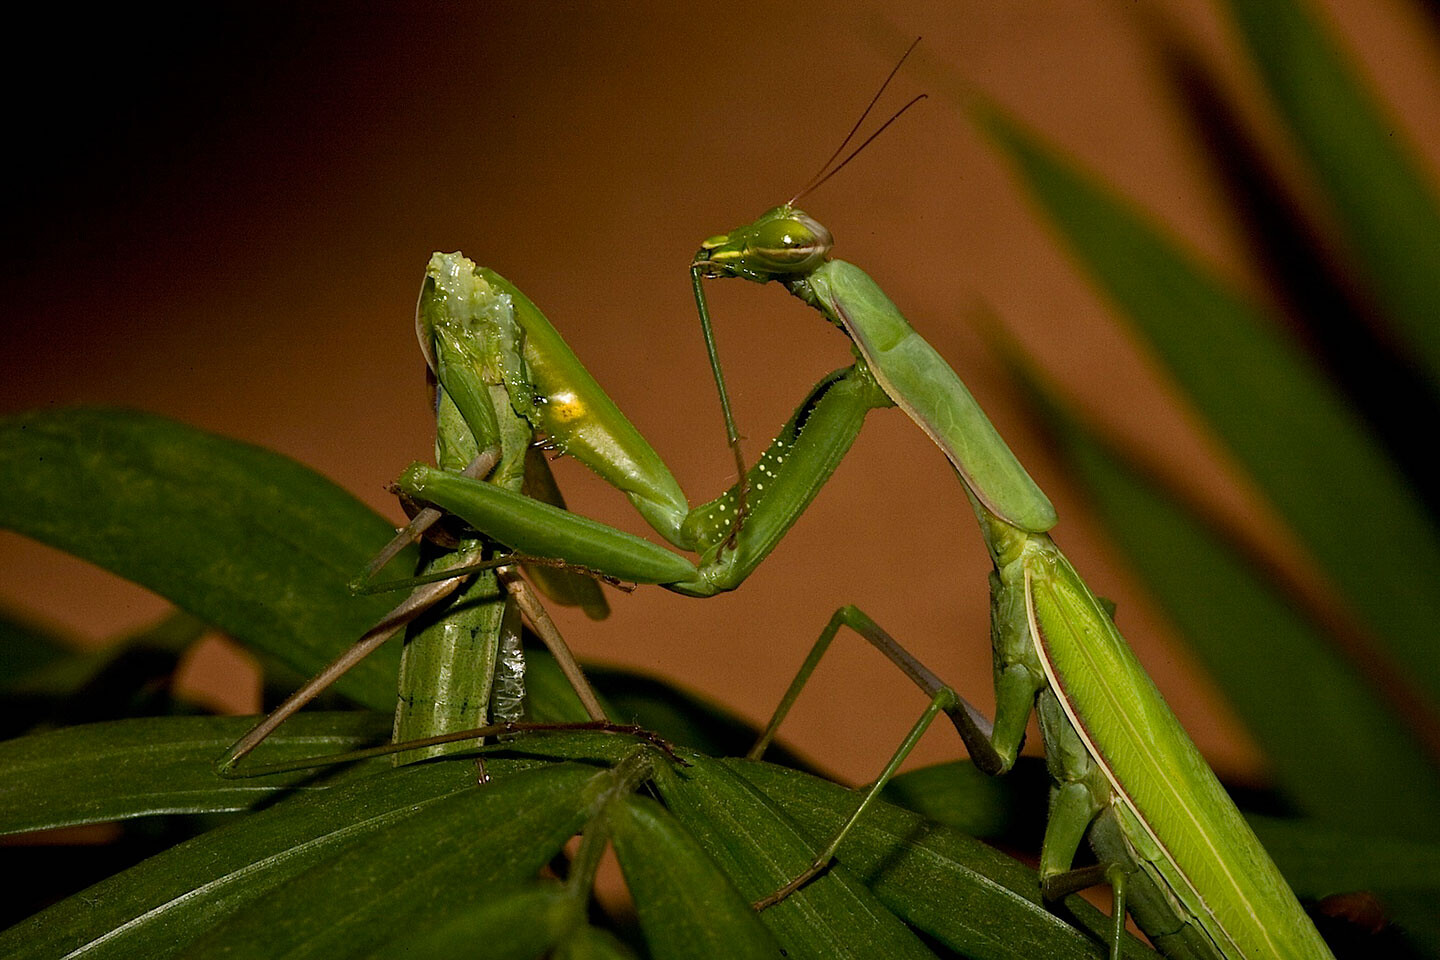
(967, 895)
(1282, 420)
(1009, 809)
(592, 943)
(129, 676)
(760, 850)
(131, 768)
(1386, 210)
(27, 648)
(49, 681)
(244, 539)
(156, 908)
(1318, 861)
(1381, 379)
(464, 848)
(520, 925)
(687, 907)
(1295, 693)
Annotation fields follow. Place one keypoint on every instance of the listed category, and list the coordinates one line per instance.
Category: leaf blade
(1386, 210)
(251, 542)
(131, 768)
(1375, 770)
(1280, 418)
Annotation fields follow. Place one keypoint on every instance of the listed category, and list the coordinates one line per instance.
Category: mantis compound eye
(791, 244)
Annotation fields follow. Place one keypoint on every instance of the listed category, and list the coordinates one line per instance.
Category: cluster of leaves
(1315, 393)
(374, 860)
(368, 859)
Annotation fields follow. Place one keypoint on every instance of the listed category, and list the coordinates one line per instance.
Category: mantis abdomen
(1197, 874)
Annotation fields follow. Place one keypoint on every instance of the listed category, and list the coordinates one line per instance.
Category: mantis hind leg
(1079, 804)
(502, 730)
(423, 599)
(1071, 817)
(418, 603)
(1015, 693)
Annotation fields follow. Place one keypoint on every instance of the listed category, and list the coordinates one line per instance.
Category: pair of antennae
(826, 171)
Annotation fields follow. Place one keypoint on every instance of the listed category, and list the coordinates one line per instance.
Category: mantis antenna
(826, 172)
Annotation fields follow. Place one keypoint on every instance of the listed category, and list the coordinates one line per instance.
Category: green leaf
(27, 648)
(596, 747)
(245, 539)
(158, 907)
(760, 850)
(50, 681)
(1375, 771)
(131, 768)
(687, 908)
(965, 894)
(1385, 208)
(1305, 449)
(1009, 809)
(462, 849)
(549, 698)
(130, 676)
(1318, 860)
(521, 925)
(1379, 376)
(592, 943)
(679, 715)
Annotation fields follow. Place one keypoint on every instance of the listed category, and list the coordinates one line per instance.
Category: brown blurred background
(224, 218)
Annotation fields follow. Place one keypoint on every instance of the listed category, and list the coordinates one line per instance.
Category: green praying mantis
(1178, 855)
(1180, 858)
(486, 412)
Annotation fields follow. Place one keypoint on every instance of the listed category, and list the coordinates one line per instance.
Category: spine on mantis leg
(786, 478)
(578, 419)
(783, 482)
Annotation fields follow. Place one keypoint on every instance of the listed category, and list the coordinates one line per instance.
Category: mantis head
(783, 242)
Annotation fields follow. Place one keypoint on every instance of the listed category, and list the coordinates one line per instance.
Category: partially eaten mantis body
(1167, 837)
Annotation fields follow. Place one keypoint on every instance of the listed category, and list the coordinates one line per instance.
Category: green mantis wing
(1176, 820)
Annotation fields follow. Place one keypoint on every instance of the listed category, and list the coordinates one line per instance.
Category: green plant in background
(430, 858)
(1341, 695)
(371, 860)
